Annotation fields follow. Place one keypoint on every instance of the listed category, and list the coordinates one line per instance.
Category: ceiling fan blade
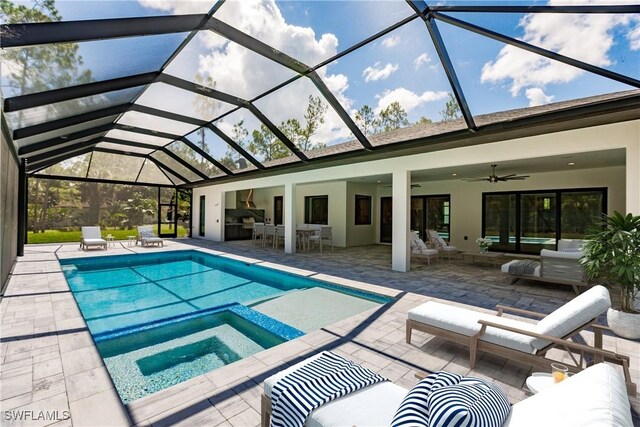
(522, 177)
(475, 179)
(507, 176)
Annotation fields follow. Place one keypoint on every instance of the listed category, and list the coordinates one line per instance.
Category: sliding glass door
(529, 221)
(431, 213)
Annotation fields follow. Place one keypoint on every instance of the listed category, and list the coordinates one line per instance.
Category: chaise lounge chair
(594, 397)
(91, 236)
(146, 236)
(439, 243)
(419, 250)
(520, 341)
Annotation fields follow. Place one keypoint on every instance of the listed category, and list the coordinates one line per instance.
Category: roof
(147, 115)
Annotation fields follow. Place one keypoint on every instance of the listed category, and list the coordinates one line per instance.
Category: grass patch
(56, 236)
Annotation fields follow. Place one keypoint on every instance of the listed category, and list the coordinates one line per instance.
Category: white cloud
(243, 73)
(536, 96)
(375, 73)
(421, 60)
(588, 38)
(407, 99)
(391, 41)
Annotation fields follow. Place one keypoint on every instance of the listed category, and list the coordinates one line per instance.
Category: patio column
(400, 257)
(290, 218)
(632, 168)
(215, 220)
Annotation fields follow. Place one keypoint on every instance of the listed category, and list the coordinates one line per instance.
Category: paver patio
(49, 361)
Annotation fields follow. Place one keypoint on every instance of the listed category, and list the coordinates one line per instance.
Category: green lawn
(55, 236)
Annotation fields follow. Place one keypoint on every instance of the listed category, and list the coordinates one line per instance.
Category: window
(431, 213)
(363, 210)
(316, 210)
(529, 221)
(202, 204)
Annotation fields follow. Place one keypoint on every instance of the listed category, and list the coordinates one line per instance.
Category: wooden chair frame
(265, 410)
(537, 359)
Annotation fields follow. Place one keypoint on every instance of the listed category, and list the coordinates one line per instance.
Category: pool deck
(48, 360)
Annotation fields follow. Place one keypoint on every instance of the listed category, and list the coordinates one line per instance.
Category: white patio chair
(323, 234)
(419, 249)
(269, 234)
(258, 232)
(439, 243)
(147, 237)
(278, 236)
(91, 236)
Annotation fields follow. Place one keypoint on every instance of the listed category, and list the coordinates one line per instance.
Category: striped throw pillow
(470, 403)
(414, 411)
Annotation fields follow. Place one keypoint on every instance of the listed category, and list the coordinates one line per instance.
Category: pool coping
(106, 406)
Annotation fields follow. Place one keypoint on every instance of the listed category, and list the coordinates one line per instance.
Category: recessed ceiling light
(454, 174)
(379, 181)
(571, 163)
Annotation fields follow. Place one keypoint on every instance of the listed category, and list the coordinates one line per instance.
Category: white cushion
(465, 322)
(90, 242)
(371, 406)
(596, 396)
(449, 249)
(573, 314)
(424, 252)
(152, 239)
(505, 268)
(91, 232)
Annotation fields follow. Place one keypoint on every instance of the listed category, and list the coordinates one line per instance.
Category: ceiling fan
(495, 178)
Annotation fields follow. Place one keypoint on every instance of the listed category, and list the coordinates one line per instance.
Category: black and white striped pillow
(470, 403)
(413, 410)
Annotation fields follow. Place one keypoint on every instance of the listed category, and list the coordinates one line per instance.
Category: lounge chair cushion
(465, 322)
(353, 409)
(92, 242)
(574, 314)
(596, 396)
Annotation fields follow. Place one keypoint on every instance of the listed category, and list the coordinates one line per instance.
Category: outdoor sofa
(562, 266)
(593, 397)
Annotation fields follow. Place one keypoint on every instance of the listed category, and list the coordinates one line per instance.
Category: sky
(402, 66)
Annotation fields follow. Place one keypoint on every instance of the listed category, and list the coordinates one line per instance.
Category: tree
(366, 120)
(41, 68)
(424, 121)
(266, 144)
(392, 117)
(451, 110)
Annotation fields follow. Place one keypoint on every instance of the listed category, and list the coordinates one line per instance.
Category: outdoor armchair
(440, 244)
(419, 249)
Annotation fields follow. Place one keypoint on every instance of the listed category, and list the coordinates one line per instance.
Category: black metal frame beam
(44, 163)
(419, 6)
(22, 206)
(31, 100)
(201, 90)
(30, 34)
(69, 121)
(293, 64)
(51, 143)
(235, 146)
(167, 115)
(145, 156)
(602, 9)
(203, 153)
(537, 50)
(149, 132)
(278, 133)
(104, 181)
(183, 162)
(62, 150)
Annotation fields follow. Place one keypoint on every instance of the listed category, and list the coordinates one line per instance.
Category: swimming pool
(163, 318)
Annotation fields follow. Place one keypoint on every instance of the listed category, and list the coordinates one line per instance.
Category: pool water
(160, 319)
